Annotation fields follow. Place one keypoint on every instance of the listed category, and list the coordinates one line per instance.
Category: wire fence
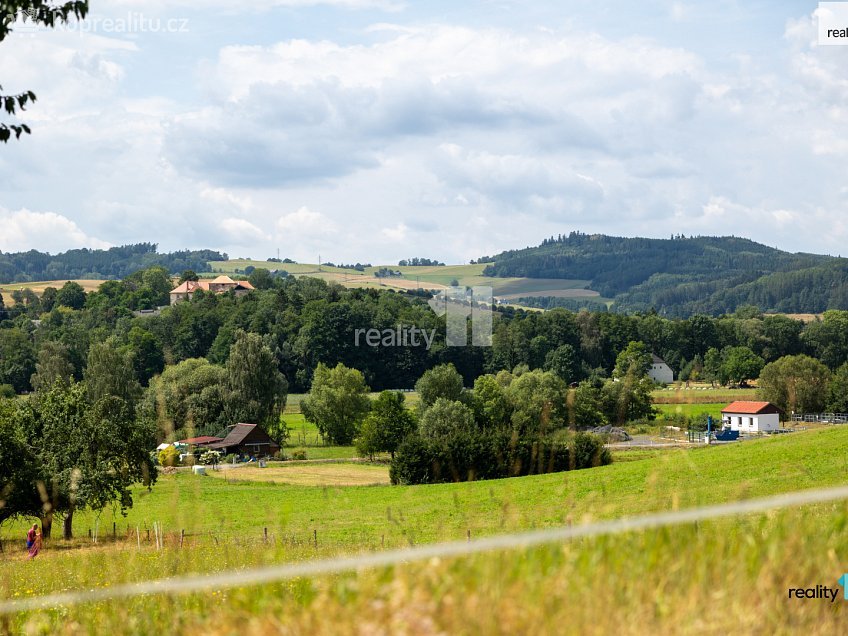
(388, 558)
(822, 418)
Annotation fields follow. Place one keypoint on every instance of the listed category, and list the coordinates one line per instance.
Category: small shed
(660, 372)
(751, 417)
(247, 439)
(200, 442)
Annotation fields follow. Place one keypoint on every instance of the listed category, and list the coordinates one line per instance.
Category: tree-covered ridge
(113, 263)
(683, 276)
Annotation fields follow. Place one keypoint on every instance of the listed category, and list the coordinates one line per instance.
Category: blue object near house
(727, 435)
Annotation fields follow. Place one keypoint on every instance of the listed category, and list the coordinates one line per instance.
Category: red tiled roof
(205, 439)
(750, 408)
(189, 286)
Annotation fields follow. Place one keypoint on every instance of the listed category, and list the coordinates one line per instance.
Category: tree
(586, 408)
(635, 359)
(188, 398)
(565, 362)
(714, 368)
(147, 355)
(40, 12)
(386, 426)
(445, 418)
(539, 402)
(261, 278)
(88, 453)
(337, 403)
(442, 381)
(796, 384)
(71, 295)
(18, 494)
(837, 401)
(17, 359)
(628, 399)
(257, 389)
(491, 406)
(110, 372)
(740, 364)
(189, 275)
(53, 365)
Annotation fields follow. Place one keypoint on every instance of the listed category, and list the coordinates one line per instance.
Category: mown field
(39, 287)
(726, 576)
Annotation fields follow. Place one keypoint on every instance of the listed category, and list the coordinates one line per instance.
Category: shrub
(299, 454)
(491, 455)
(169, 456)
(210, 457)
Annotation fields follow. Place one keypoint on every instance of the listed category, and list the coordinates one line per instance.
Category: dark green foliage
(114, 263)
(442, 381)
(838, 391)
(386, 426)
(682, 276)
(72, 295)
(491, 455)
(17, 359)
(337, 403)
(796, 384)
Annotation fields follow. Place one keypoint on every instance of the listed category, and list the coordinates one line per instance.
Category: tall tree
(337, 403)
(53, 365)
(17, 359)
(443, 381)
(257, 389)
(88, 453)
(797, 384)
(110, 372)
(388, 423)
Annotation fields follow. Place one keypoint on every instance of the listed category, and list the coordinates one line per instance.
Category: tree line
(113, 263)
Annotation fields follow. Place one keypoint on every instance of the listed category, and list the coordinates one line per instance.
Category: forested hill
(116, 262)
(682, 276)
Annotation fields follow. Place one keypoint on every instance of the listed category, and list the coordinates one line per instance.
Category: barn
(751, 417)
(247, 439)
(660, 372)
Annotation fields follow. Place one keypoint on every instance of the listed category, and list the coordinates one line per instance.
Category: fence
(822, 418)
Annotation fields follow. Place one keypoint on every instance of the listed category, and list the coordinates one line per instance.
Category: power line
(275, 573)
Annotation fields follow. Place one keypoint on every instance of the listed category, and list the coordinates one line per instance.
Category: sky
(375, 130)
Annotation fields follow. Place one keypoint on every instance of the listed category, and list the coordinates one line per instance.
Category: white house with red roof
(751, 417)
(221, 285)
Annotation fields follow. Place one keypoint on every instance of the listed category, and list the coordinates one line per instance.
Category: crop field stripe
(272, 574)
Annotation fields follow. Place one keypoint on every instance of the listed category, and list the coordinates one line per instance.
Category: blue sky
(375, 130)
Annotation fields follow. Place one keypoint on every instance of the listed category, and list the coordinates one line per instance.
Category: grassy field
(693, 410)
(431, 278)
(714, 577)
(701, 394)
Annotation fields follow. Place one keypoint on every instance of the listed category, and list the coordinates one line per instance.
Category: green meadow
(717, 576)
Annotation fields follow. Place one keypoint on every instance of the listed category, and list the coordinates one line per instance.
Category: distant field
(429, 278)
(39, 287)
(702, 395)
(309, 474)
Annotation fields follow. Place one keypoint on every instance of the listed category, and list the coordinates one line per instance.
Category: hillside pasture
(718, 576)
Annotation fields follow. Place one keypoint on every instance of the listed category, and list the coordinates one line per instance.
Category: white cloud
(43, 231)
(242, 232)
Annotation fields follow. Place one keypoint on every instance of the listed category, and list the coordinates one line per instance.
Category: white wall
(747, 423)
(661, 373)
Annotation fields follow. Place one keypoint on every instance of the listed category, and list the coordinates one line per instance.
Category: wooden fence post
(182, 537)
(315, 536)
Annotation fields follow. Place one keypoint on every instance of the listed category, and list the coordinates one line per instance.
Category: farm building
(751, 417)
(247, 439)
(200, 442)
(660, 372)
(221, 285)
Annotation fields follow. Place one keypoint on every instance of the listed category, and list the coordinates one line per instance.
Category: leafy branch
(40, 12)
